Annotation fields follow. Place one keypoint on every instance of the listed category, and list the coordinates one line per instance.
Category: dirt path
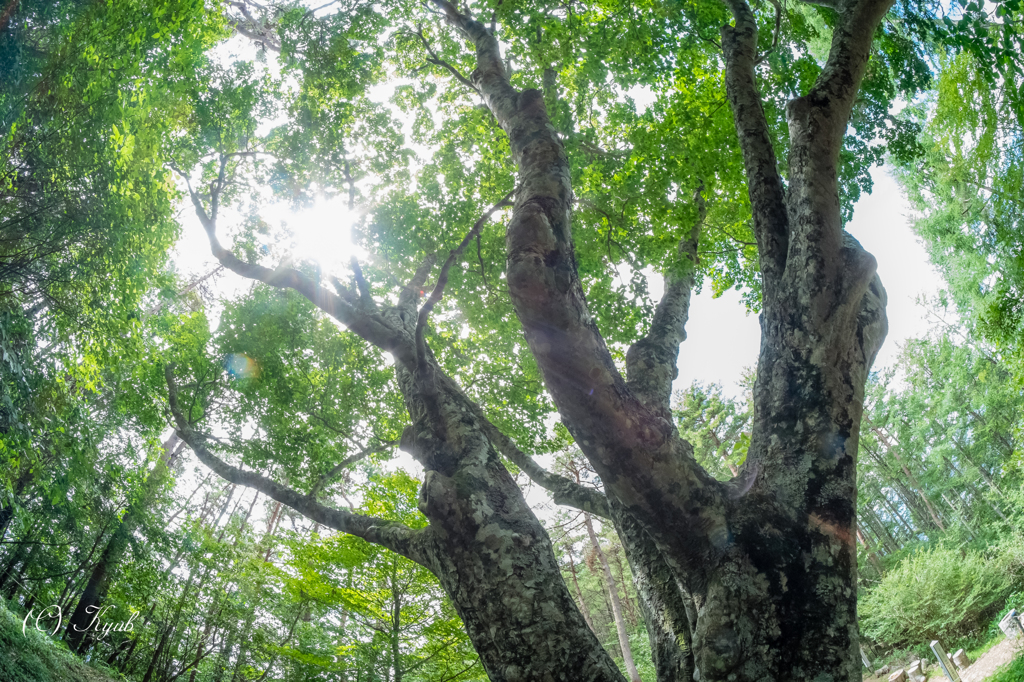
(992, 660)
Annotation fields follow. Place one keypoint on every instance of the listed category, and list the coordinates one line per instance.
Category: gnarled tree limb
(347, 462)
(390, 534)
(366, 324)
(764, 184)
(442, 278)
(563, 490)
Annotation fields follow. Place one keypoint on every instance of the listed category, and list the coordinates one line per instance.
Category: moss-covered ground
(33, 657)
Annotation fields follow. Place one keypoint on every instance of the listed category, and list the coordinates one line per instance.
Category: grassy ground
(34, 657)
(1014, 672)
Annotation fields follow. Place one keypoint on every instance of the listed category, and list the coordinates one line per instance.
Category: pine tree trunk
(165, 635)
(872, 557)
(17, 575)
(579, 593)
(7, 512)
(627, 602)
(396, 629)
(613, 595)
(95, 592)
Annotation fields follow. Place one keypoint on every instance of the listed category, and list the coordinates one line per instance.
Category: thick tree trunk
(72, 580)
(756, 576)
(496, 563)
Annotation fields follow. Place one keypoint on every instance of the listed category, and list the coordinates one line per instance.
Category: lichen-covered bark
(489, 551)
(496, 563)
(666, 607)
(766, 563)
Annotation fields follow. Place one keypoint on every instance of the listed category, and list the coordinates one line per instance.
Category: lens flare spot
(240, 366)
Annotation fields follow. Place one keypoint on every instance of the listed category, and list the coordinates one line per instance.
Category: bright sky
(722, 339)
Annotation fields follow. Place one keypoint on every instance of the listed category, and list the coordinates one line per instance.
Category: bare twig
(348, 461)
(775, 35)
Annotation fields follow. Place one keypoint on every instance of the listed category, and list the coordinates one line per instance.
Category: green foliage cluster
(717, 426)
(938, 593)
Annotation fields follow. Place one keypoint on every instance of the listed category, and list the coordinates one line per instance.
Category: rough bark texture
(748, 580)
(769, 559)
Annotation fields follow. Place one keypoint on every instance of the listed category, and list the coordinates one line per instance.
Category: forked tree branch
(764, 184)
(437, 61)
(365, 295)
(347, 462)
(253, 29)
(636, 452)
(411, 292)
(837, 85)
(775, 33)
(651, 362)
(490, 77)
(817, 127)
(442, 279)
(390, 534)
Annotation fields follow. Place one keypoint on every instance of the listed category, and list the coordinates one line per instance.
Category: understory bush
(939, 593)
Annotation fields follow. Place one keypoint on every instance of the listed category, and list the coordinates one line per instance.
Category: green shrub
(940, 593)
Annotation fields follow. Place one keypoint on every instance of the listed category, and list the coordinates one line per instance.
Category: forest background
(349, 131)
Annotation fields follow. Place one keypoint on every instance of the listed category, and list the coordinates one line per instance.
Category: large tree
(748, 579)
